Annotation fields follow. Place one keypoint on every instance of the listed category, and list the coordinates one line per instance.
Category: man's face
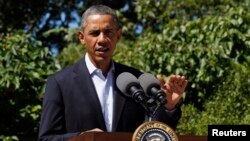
(100, 37)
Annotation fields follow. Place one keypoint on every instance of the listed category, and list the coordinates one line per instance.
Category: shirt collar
(92, 68)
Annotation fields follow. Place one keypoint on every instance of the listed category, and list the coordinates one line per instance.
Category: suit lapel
(119, 100)
(86, 87)
(118, 106)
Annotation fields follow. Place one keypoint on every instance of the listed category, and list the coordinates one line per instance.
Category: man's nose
(102, 38)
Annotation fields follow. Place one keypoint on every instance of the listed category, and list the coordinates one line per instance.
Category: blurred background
(208, 41)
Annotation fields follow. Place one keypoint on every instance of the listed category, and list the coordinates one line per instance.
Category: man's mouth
(102, 48)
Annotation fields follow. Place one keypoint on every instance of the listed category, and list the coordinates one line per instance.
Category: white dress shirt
(104, 88)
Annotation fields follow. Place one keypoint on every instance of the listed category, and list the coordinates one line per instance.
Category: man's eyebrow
(93, 30)
(109, 28)
(105, 28)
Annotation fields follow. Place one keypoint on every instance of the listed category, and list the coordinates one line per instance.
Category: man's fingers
(159, 77)
(175, 88)
(184, 84)
(168, 89)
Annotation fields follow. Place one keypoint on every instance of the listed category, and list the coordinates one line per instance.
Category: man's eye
(95, 33)
(109, 33)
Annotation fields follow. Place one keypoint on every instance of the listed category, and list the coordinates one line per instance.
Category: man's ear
(81, 37)
(119, 34)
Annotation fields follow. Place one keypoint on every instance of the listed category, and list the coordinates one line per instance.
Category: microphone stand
(151, 109)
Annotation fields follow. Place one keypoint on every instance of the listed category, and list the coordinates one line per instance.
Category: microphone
(152, 88)
(129, 85)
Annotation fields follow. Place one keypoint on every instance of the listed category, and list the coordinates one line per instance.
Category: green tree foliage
(74, 50)
(155, 14)
(39, 16)
(229, 104)
(24, 66)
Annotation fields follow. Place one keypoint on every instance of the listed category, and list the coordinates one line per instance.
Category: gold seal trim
(154, 129)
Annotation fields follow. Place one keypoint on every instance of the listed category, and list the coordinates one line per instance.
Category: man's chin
(101, 58)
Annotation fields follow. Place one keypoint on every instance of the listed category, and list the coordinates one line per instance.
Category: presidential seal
(154, 131)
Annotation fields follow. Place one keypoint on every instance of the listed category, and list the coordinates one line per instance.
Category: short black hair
(99, 10)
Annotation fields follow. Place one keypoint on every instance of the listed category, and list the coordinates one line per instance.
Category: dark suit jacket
(71, 105)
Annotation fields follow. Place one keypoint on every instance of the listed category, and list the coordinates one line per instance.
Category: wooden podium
(122, 136)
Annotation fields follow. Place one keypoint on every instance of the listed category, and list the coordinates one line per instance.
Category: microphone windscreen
(125, 81)
(148, 81)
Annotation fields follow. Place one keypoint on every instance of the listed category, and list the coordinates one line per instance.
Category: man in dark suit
(83, 97)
